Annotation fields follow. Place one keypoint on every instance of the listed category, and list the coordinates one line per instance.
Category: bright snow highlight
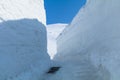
(18, 9)
(53, 31)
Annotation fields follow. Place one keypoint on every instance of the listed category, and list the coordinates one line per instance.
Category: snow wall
(92, 42)
(18, 9)
(23, 45)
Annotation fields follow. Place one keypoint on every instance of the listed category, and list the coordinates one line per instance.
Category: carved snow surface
(23, 49)
(93, 37)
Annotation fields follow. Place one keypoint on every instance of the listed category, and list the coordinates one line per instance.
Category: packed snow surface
(89, 47)
(53, 31)
(23, 49)
(18, 9)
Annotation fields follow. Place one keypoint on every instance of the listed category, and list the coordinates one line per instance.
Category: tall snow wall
(23, 45)
(93, 38)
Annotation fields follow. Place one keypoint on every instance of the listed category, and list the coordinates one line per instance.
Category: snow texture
(53, 31)
(89, 47)
(18, 9)
(23, 49)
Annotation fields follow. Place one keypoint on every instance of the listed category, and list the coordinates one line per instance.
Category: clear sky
(62, 11)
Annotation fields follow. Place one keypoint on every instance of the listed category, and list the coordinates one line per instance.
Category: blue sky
(62, 11)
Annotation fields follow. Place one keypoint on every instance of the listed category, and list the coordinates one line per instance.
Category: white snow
(18, 9)
(23, 49)
(89, 47)
(53, 31)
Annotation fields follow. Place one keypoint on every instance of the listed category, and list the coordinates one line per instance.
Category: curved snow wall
(94, 36)
(23, 44)
(18, 9)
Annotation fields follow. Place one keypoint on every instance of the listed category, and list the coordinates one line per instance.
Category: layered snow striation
(90, 44)
(53, 31)
(18, 9)
(23, 49)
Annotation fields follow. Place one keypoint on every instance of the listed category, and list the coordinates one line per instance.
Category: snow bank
(18, 9)
(23, 45)
(93, 38)
(53, 31)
